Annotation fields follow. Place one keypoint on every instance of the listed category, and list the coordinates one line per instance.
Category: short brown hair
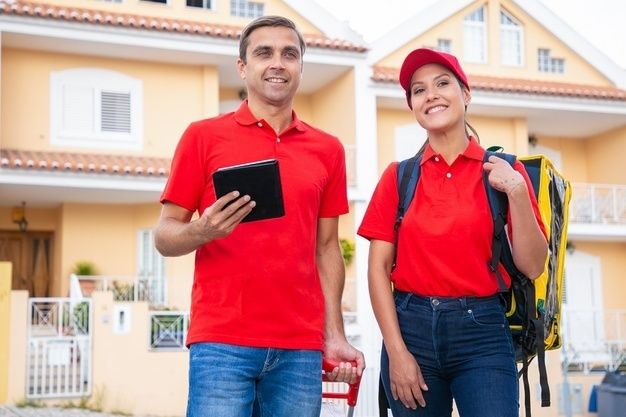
(264, 21)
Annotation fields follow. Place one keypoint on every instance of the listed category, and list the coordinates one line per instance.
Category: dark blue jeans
(464, 349)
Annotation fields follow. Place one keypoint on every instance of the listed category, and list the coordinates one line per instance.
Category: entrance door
(582, 307)
(30, 253)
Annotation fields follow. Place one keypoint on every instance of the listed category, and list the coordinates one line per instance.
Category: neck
(448, 144)
(277, 116)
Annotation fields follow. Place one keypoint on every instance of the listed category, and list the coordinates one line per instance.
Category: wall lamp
(19, 217)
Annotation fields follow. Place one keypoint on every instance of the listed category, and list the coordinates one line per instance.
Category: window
(202, 4)
(156, 1)
(545, 62)
(245, 8)
(475, 36)
(150, 269)
(95, 108)
(511, 35)
(444, 45)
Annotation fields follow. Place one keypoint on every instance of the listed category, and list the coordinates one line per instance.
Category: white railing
(598, 204)
(593, 337)
(59, 348)
(168, 330)
(125, 288)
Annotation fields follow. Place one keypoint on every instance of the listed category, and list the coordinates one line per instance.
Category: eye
(442, 83)
(418, 90)
(291, 54)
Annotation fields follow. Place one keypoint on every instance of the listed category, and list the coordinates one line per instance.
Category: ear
(467, 96)
(241, 68)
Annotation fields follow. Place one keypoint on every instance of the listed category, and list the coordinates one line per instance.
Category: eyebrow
(445, 74)
(265, 48)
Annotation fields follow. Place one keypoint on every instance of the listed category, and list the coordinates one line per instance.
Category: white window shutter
(115, 111)
(78, 108)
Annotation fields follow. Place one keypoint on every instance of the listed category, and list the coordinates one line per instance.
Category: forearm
(381, 258)
(332, 278)
(173, 237)
(384, 308)
(529, 245)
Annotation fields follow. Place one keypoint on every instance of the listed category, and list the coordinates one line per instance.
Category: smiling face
(273, 66)
(438, 99)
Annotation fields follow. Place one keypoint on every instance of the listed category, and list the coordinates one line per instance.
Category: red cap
(423, 56)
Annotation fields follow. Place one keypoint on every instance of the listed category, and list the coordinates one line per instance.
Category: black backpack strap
(499, 206)
(383, 402)
(408, 174)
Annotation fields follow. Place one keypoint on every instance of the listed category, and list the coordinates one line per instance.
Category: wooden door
(31, 256)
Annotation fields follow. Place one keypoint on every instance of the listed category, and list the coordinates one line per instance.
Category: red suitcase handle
(353, 389)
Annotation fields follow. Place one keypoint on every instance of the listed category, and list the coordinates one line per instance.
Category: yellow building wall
(177, 9)
(173, 96)
(605, 157)
(334, 110)
(577, 70)
(113, 353)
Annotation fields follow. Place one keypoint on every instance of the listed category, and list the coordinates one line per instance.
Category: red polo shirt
(260, 286)
(445, 239)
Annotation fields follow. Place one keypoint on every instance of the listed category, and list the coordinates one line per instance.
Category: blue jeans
(464, 349)
(239, 381)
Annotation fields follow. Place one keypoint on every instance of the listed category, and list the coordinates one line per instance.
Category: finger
(495, 159)
(406, 396)
(237, 216)
(360, 363)
(416, 393)
(224, 200)
(394, 391)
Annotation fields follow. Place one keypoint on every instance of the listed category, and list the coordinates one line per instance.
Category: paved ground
(12, 411)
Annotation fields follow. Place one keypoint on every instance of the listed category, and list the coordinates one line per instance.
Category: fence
(594, 337)
(59, 348)
(123, 288)
(598, 204)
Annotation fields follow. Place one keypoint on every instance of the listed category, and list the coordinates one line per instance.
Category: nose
(431, 94)
(277, 61)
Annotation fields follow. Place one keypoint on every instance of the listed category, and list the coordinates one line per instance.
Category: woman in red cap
(444, 329)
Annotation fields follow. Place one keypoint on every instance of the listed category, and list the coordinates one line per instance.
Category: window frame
(204, 7)
(514, 29)
(243, 9)
(470, 48)
(550, 64)
(97, 80)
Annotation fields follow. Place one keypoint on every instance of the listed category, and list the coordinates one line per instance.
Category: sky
(601, 22)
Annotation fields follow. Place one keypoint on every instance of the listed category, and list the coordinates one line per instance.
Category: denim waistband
(447, 303)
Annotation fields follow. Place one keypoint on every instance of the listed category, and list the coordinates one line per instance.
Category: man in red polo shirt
(266, 298)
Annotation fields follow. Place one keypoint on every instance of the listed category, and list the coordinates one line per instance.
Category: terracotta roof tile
(43, 161)
(107, 18)
(513, 85)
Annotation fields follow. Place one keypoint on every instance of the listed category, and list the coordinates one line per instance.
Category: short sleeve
(380, 217)
(186, 181)
(334, 200)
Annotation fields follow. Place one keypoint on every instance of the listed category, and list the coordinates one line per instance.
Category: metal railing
(168, 330)
(594, 337)
(124, 288)
(598, 204)
(59, 348)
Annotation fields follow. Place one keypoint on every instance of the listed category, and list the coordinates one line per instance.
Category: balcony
(597, 212)
(594, 338)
